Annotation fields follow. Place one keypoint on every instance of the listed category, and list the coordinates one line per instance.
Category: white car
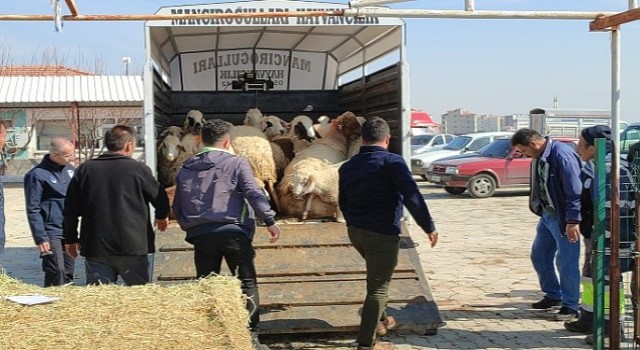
(461, 144)
(429, 142)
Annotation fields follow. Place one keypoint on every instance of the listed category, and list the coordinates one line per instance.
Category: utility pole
(126, 60)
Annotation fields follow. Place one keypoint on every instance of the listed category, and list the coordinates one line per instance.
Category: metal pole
(364, 3)
(415, 13)
(614, 271)
(469, 5)
(633, 4)
(598, 244)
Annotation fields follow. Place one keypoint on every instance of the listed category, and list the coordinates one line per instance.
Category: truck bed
(312, 280)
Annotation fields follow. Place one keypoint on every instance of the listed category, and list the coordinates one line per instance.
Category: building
(460, 122)
(59, 101)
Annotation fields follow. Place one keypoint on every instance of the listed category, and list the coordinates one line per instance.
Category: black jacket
(112, 194)
(45, 187)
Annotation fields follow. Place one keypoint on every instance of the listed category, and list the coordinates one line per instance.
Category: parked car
(461, 144)
(429, 142)
(494, 166)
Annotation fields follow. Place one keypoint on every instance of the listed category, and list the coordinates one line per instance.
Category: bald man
(45, 189)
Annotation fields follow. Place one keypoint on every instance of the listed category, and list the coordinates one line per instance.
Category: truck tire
(481, 186)
(454, 190)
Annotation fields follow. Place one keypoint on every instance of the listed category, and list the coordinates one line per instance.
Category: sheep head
(252, 117)
(302, 184)
(347, 123)
(170, 148)
(194, 121)
(272, 126)
(172, 130)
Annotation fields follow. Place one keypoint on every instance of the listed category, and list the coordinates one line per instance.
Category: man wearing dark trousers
(45, 188)
(215, 200)
(3, 238)
(112, 194)
(373, 187)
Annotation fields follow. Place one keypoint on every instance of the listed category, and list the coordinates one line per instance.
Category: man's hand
(433, 237)
(72, 249)
(573, 232)
(44, 248)
(162, 224)
(274, 231)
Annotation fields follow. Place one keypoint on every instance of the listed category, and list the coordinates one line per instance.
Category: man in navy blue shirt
(374, 185)
(45, 189)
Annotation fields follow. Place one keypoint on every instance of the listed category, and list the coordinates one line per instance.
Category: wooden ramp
(312, 280)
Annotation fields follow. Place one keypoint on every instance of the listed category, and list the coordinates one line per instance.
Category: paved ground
(480, 275)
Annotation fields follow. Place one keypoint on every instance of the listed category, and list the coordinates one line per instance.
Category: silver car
(429, 142)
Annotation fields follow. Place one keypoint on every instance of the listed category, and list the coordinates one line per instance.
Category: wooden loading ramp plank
(263, 280)
(418, 318)
(333, 293)
(280, 262)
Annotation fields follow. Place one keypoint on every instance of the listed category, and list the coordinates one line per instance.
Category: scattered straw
(210, 314)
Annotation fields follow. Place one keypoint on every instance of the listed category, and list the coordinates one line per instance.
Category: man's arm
(412, 198)
(155, 194)
(572, 186)
(33, 200)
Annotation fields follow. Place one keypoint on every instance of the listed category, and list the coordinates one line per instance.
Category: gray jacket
(215, 192)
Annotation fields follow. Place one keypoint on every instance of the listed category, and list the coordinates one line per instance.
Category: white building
(460, 122)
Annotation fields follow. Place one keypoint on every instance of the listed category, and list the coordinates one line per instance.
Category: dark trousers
(133, 269)
(236, 249)
(380, 253)
(58, 266)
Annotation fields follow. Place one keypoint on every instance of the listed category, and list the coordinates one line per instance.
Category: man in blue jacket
(45, 188)
(373, 187)
(215, 199)
(555, 197)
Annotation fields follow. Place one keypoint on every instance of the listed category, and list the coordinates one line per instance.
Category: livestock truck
(312, 280)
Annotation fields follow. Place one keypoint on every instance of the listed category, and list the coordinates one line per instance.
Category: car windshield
(497, 149)
(421, 140)
(458, 143)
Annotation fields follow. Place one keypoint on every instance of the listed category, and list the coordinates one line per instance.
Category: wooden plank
(419, 318)
(333, 277)
(335, 293)
(281, 262)
(613, 21)
(71, 4)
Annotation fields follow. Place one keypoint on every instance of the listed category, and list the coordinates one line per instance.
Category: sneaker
(546, 303)
(380, 345)
(578, 327)
(385, 326)
(566, 314)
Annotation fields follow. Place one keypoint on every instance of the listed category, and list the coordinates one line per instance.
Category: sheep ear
(182, 148)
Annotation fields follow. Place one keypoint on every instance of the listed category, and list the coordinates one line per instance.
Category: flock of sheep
(296, 163)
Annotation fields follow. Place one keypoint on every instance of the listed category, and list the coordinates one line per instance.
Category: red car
(496, 165)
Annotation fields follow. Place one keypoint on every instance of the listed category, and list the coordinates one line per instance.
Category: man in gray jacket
(214, 201)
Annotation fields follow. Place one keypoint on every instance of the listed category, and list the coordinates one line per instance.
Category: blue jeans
(551, 245)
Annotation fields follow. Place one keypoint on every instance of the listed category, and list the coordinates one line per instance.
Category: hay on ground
(210, 314)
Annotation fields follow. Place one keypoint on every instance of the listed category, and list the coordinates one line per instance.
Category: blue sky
(483, 66)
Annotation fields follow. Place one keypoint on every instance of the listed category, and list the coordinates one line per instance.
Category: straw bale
(209, 314)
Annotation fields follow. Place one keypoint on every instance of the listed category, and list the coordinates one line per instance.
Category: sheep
(172, 130)
(312, 173)
(252, 117)
(193, 122)
(322, 127)
(354, 146)
(315, 178)
(171, 155)
(301, 127)
(273, 126)
(251, 144)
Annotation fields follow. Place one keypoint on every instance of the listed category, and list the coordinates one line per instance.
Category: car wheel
(482, 186)
(455, 190)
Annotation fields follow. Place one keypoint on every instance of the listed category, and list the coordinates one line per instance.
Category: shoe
(566, 314)
(546, 303)
(385, 326)
(381, 345)
(578, 327)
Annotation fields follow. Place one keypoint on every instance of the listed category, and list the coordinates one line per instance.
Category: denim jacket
(563, 182)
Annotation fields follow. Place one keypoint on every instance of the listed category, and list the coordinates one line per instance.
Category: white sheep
(323, 126)
(319, 162)
(301, 127)
(251, 144)
(273, 126)
(252, 117)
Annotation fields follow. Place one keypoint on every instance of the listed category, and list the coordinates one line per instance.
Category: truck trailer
(312, 280)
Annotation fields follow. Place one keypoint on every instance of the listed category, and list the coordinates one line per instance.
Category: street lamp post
(126, 60)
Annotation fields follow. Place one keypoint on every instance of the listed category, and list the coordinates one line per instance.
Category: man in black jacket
(112, 194)
(45, 188)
